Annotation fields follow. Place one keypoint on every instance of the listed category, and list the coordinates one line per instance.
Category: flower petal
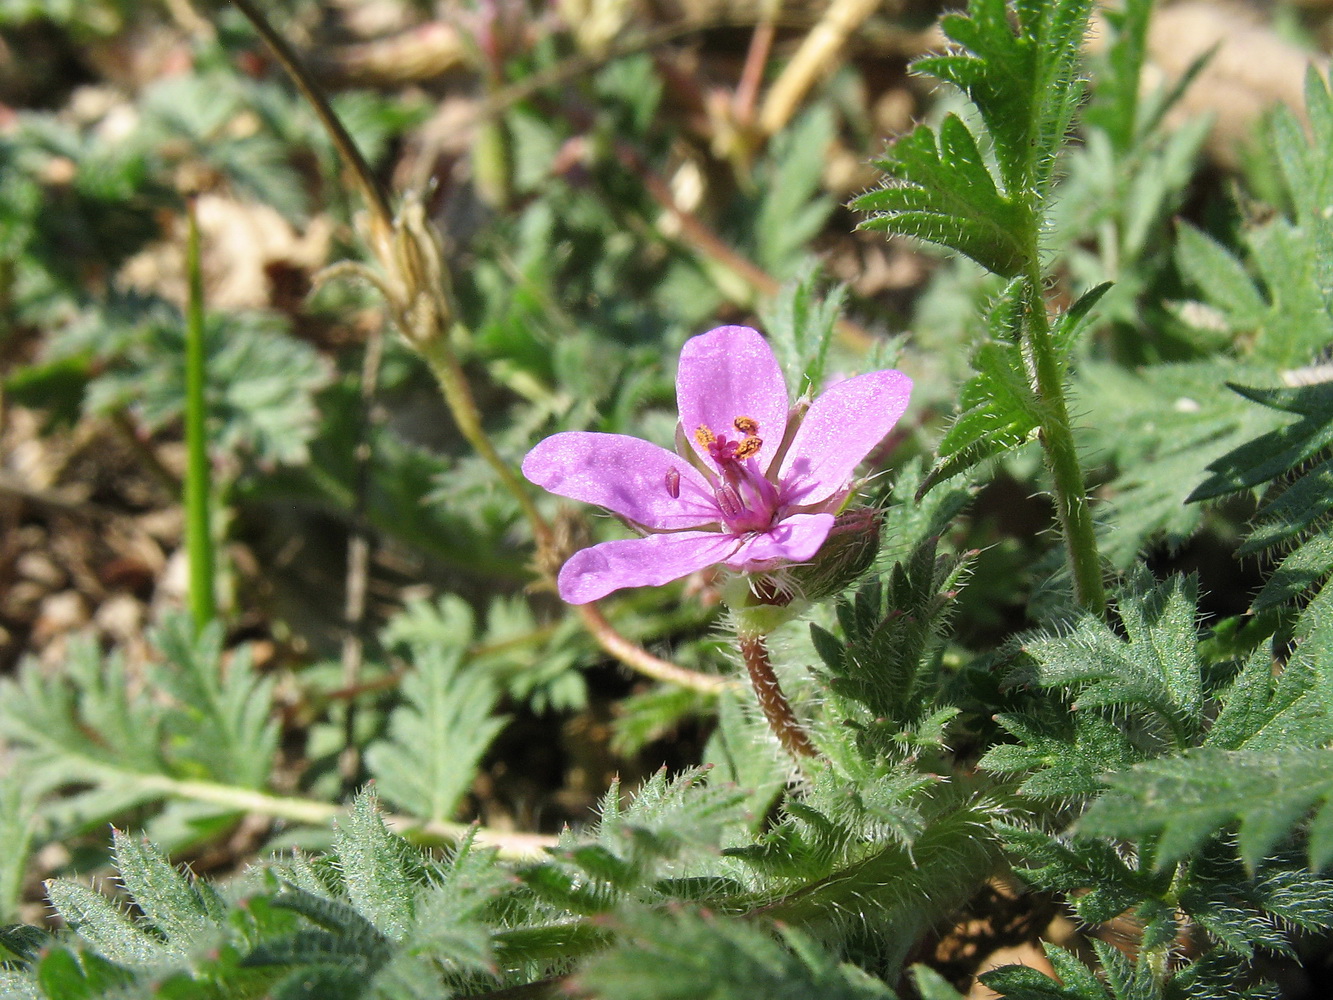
(796, 539)
(626, 476)
(591, 574)
(839, 430)
(726, 373)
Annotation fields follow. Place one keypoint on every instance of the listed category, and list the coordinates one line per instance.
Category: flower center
(747, 501)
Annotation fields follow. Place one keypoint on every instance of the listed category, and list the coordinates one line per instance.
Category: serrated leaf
(376, 868)
(222, 713)
(1020, 72)
(1155, 667)
(1099, 883)
(1262, 710)
(438, 735)
(998, 411)
(104, 925)
(940, 190)
(172, 904)
(1187, 799)
(1221, 276)
(1067, 753)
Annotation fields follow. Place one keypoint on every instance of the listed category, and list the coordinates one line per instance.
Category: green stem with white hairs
(1057, 439)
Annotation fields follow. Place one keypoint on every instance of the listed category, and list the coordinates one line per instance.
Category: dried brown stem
(816, 56)
(777, 709)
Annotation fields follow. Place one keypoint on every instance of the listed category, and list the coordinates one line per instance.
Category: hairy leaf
(1188, 799)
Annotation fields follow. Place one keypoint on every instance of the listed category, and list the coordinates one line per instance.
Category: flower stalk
(777, 709)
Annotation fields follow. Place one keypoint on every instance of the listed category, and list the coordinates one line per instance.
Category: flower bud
(849, 551)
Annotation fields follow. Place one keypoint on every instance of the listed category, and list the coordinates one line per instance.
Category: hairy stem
(1057, 438)
(777, 709)
(198, 477)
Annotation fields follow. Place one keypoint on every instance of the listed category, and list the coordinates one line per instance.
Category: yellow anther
(746, 425)
(748, 447)
(704, 436)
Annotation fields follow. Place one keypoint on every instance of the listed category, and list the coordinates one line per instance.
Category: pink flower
(757, 488)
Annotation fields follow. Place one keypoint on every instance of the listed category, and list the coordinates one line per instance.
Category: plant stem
(643, 661)
(316, 813)
(305, 83)
(443, 364)
(776, 708)
(1057, 438)
(198, 478)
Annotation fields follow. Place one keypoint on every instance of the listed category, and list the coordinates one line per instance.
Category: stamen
(746, 425)
(673, 483)
(704, 436)
(750, 446)
(729, 501)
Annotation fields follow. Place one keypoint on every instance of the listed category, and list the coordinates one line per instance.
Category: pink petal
(727, 373)
(591, 574)
(839, 430)
(626, 476)
(796, 538)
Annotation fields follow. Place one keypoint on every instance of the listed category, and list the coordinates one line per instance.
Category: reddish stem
(771, 699)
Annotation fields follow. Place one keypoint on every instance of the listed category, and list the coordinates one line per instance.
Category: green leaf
(998, 408)
(1021, 72)
(940, 190)
(889, 632)
(674, 956)
(187, 914)
(81, 975)
(1065, 754)
(793, 208)
(223, 714)
(1296, 512)
(1154, 667)
(1161, 426)
(1222, 278)
(104, 925)
(376, 868)
(800, 327)
(1185, 800)
(1099, 883)
(438, 734)
(18, 826)
(1262, 710)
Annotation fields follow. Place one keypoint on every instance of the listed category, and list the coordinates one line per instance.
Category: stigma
(728, 453)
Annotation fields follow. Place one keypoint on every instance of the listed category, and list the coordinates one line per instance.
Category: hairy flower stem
(1057, 438)
(777, 709)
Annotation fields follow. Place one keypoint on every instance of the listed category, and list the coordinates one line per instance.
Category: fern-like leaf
(1155, 667)
(1020, 74)
(438, 735)
(1187, 799)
